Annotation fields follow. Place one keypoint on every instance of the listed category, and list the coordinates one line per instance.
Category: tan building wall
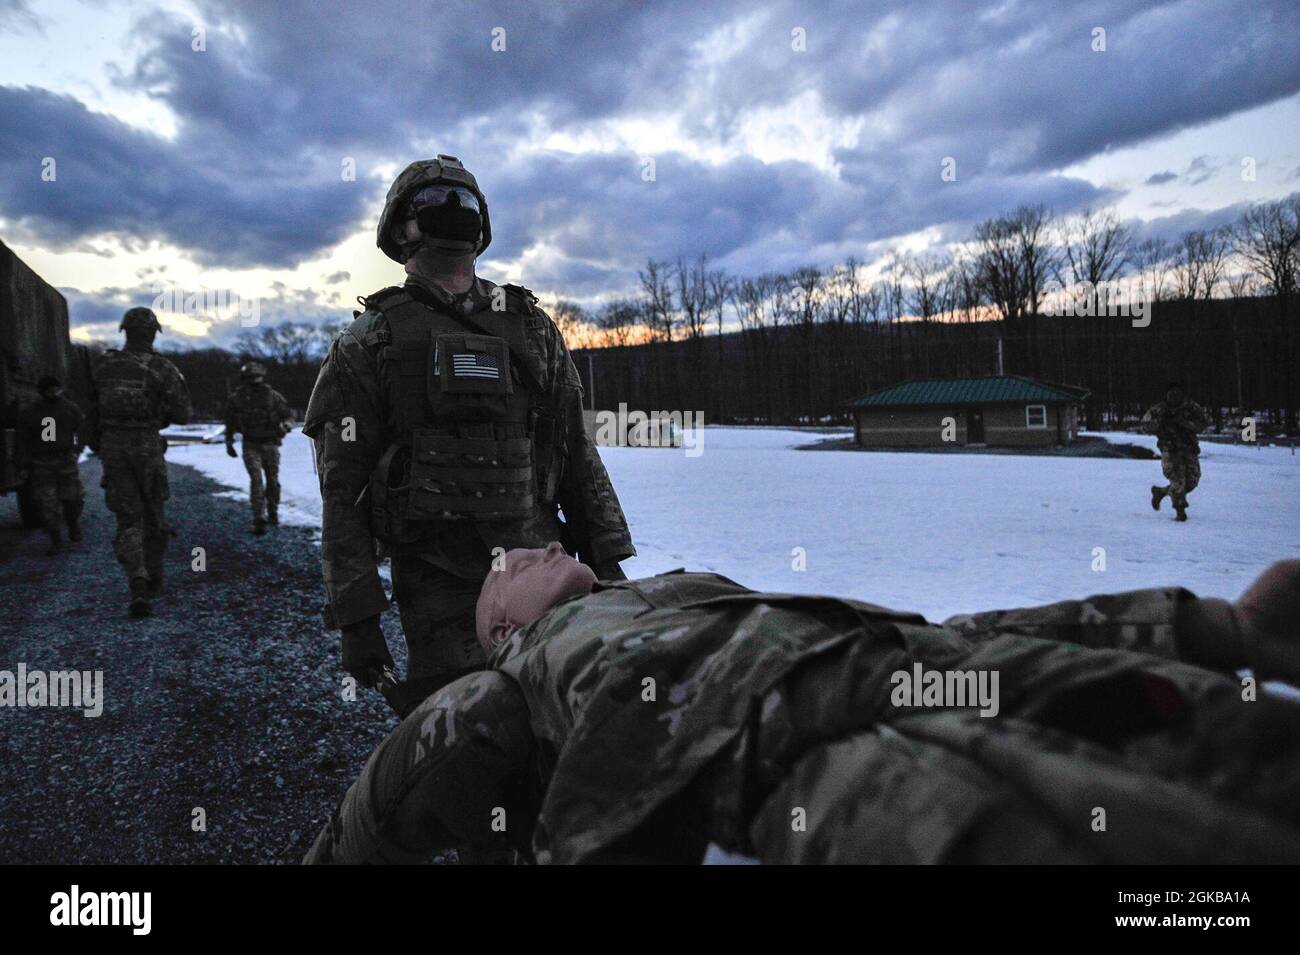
(1004, 426)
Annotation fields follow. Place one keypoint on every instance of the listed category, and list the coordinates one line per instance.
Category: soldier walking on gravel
(47, 433)
(448, 426)
(135, 392)
(262, 416)
(1176, 422)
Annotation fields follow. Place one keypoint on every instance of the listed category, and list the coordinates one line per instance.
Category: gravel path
(228, 699)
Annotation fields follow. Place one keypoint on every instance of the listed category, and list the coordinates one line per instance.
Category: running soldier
(262, 416)
(1176, 422)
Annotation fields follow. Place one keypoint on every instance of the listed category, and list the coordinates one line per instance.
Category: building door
(974, 425)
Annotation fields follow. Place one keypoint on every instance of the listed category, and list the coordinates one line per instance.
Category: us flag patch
(475, 365)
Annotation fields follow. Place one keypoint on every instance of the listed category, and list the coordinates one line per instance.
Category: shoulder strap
(401, 308)
(375, 299)
(525, 299)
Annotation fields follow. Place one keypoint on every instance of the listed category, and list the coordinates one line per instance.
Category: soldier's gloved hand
(230, 450)
(365, 651)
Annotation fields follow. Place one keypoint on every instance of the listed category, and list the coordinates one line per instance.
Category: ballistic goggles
(438, 194)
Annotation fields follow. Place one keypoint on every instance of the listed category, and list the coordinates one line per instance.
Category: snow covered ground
(939, 534)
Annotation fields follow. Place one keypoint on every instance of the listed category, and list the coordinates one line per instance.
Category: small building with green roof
(1007, 411)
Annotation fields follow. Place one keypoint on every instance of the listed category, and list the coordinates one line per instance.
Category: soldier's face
(529, 583)
(1174, 396)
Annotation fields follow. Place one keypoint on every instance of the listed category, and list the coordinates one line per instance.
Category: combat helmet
(252, 370)
(140, 317)
(421, 173)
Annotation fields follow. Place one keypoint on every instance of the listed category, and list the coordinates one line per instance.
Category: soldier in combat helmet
(1176, 422)
(448, 427)
(47, 433)
(135, 392)
(262, 416)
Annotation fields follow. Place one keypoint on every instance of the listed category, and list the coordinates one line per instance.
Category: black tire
(28, 510)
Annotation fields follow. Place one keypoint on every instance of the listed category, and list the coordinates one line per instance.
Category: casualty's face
(529, 583)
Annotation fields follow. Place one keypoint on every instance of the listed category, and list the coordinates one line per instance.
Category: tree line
(1028, 294)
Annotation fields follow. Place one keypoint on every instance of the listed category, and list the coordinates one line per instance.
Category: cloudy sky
(205, 146)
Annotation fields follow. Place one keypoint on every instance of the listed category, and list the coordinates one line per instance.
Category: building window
(1035, 416)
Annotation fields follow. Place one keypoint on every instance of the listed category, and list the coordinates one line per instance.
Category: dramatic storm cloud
(780, 133)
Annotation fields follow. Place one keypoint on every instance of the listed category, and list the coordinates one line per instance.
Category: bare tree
(1199, 262)
(1152, 258)
(1095, 247)
(656, 286)
(722, 289)
(574, 323)
(928, 272)
(719, 292)
(618, 320)
(997, 268)
(692, 295)
(1267, 236)
(1268, 239)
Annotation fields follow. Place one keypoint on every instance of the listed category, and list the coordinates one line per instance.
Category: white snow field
(934, 533)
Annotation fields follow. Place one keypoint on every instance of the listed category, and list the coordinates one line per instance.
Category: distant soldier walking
(1176, 422)
(262, 416)
(47, 446)
(135, 393)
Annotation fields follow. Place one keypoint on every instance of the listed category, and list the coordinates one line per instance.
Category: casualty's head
(252, 372)
(434, 204)
(140, 325)
(49, 387)
(529, 583)
(1174, 393)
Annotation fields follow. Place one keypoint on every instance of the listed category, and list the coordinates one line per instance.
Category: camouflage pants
(437, 611)
(263, 458)
(56, 483)
(1183, 472)
(135, 489)
(418, 795)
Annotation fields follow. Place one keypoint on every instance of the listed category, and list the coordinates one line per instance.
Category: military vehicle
(33, 342)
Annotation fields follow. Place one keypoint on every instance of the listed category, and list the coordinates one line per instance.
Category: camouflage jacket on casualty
(688, 686)
(352, 384)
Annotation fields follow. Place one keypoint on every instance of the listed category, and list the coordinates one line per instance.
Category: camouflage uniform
(654, 717)
(50, 454)
(135, 393)
(1176, 428)
(442, 470)
(261, 415)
